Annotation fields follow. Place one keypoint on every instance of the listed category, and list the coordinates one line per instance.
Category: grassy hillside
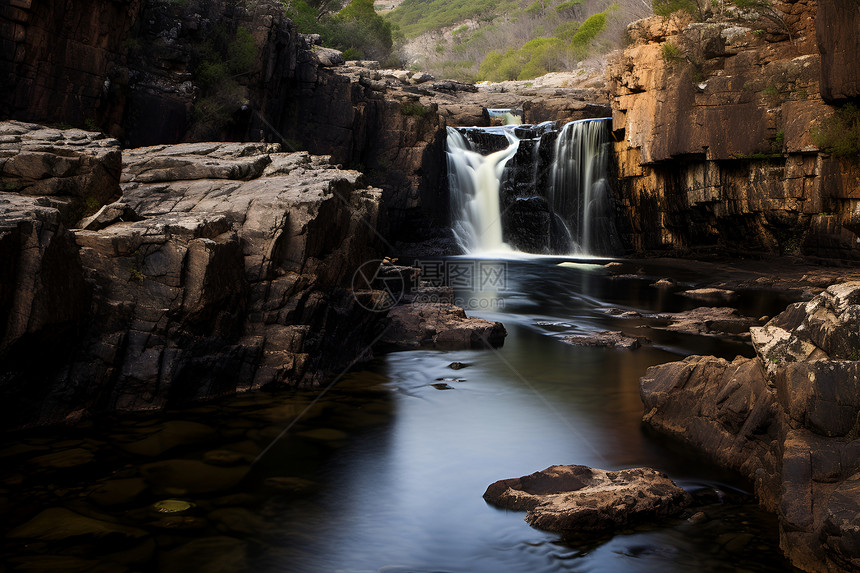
(510, 39)
(415, 17)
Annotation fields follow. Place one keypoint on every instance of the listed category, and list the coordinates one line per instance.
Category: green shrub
(671, 53)
(566, 30)
(418, 16)
(582, 40)
(568, 7)
(413, 108)
(241, 52)
(839, 133)
(666, 8)
(778, 141)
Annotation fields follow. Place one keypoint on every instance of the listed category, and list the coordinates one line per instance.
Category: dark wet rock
(190, 477)
(212, 554)
(118, 492)
(708, 320)
(65, 459)
(325, 435)
(225, 457)
(787, 419)
(578, 500)
(442, 386)
(59, 523)
(711, 295)
(238, 520)
(439, 325)
(458, 365)
(698, 518)
(664, 283)
(605, 339)
(171, 435)
(179, 522)
(290, 484)
(64, 563)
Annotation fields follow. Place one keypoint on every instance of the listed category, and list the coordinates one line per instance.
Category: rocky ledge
(222, 267)
(577, 500)
(787, 419)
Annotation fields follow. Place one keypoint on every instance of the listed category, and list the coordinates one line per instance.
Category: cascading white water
(473, 180)
(579, 191)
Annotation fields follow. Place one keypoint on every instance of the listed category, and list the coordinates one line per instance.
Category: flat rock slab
(605, 339)
(711, 295)
(575, 500)
(709, 320)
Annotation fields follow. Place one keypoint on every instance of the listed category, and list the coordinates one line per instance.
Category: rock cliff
(787, 419)
(712, 123)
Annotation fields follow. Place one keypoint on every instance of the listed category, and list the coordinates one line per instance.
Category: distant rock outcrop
(787, 419)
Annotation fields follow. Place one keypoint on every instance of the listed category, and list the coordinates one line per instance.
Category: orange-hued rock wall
(713, 132)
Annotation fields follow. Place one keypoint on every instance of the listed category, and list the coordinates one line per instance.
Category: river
(385, 471)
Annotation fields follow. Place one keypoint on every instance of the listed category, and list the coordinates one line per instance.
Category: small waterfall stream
(550, 203)
(474, 181)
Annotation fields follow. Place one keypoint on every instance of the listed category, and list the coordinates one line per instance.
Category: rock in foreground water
(576, 499)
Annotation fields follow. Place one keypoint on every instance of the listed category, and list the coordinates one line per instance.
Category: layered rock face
(49, 179)
(223, 267)
(787, 419)
(712, 123)
(60, 60)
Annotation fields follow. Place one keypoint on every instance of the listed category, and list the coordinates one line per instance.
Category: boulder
(578, 500)
(439, 325)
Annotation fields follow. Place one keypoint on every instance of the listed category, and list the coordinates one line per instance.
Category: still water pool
(385, 472)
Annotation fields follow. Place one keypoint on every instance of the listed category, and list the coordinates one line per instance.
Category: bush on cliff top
(839, 133)
(356, 29)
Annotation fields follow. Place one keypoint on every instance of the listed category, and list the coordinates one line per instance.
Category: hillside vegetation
(500, 40)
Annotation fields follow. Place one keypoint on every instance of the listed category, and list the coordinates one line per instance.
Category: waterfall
(580, 193)
(557, 202)
(473, 180)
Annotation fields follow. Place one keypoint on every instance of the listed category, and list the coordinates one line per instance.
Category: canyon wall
(712, 124)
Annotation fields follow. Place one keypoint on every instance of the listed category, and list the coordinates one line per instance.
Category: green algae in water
(172, 506)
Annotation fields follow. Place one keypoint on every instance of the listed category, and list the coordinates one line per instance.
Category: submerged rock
(190, 477)
(118, 492)
(59, 523)
(709, 320)
(171, 435)
(576, 499)
(710, 294)
(212, 554)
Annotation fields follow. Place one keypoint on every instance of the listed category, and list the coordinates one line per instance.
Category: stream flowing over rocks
(787, 419)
